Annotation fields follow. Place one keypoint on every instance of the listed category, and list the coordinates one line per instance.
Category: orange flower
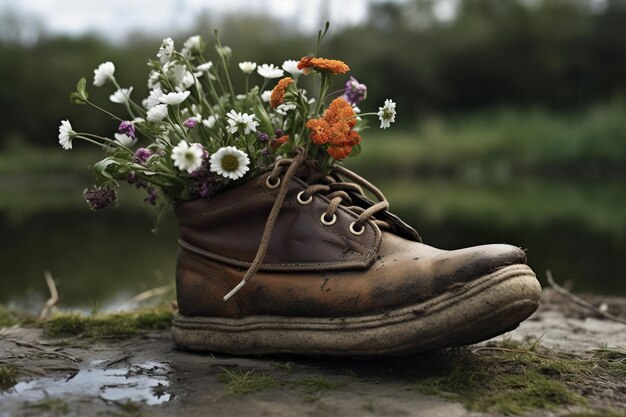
(277, 142)
(335, 128)
(319, 131)
(332, 66)
(339, 152)
(278, 93)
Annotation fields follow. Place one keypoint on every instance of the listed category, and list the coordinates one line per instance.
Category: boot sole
(480, 310)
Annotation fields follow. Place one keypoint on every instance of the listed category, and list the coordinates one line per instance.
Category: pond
(100, 260)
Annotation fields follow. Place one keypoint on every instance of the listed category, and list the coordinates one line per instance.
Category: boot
(291, 263)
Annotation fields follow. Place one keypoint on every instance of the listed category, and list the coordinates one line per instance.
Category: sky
(116, 18)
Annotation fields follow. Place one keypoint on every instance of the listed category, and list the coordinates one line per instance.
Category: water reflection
(146, 382)
(576, 230)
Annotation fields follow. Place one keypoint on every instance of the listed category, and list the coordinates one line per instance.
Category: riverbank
(563, 361)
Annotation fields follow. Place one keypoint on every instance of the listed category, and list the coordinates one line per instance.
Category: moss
(317, 384)
(127, 409)
(606, 412)
(55, 406)
(8, 377)
(246, 382)
(9, 317)
(108, 325)
(516, 381)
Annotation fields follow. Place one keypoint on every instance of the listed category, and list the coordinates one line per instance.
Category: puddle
(146, 382)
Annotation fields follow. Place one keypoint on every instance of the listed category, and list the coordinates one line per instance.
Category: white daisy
(266, 95)
(157, 113)
(193, 45)
(187, 81)
(241, 121)
(357, 110)
(103, 73)
(225, 51)
(166, 50)
(121, 96)
(283, 108)
(153, 98)
(205, 67)
(210, 121)
(247, 67)
(153, 79)
(66, 134)
(187, 157)
(174, 97)
(229, 162)
(387, 114)
(125, 140)
(291, 67)
(269, 71)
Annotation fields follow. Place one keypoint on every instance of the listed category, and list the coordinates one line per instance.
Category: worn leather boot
(290, 263)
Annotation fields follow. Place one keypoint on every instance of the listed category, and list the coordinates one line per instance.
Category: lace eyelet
(269, 184)
(302, 201)
(328, 222)
(355, 232)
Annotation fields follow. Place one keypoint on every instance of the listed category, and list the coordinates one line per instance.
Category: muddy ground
(144, 375)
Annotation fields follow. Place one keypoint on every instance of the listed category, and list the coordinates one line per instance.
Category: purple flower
(100, 197)
(152, 196)
(278, 133)
(355, 92)
(142, 155)
(190, 123)
(139, 182)
(207, 190)
(127, 128)
(262, 137)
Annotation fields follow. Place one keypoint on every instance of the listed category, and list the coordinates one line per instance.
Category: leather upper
(228, 229)
(312, 270)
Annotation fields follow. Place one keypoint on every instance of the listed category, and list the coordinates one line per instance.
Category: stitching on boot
(371, 253)
(366, 248)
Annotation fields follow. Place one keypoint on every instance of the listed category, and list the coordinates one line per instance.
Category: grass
(8, 377)
(242, 382)
(515, 381)
(318, 384)
(54, 406)
(9, 317)
(100, 326)
(245, 382)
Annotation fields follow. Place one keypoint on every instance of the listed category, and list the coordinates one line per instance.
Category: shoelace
(336, 191)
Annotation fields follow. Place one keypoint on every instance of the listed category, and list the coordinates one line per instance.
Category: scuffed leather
(228, 229)
(311, 270)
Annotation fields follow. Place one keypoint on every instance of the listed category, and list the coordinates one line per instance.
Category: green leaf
(261, 114)
(80, 96)
(356, 151)
(101, 168)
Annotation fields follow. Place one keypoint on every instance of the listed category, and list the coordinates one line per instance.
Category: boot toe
(464, 265)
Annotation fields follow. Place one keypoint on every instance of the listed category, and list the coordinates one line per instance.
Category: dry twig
(50, 305)
(580, 301)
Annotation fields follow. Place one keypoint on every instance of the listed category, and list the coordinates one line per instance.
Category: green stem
(223, 59)
(323, 88)
(103, 110)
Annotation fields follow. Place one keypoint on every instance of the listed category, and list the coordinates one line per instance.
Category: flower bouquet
(197, 135)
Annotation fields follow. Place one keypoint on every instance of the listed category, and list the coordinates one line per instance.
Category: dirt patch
(560, 362)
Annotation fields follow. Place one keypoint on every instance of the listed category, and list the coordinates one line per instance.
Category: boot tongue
(309, 173)
(397, 226)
